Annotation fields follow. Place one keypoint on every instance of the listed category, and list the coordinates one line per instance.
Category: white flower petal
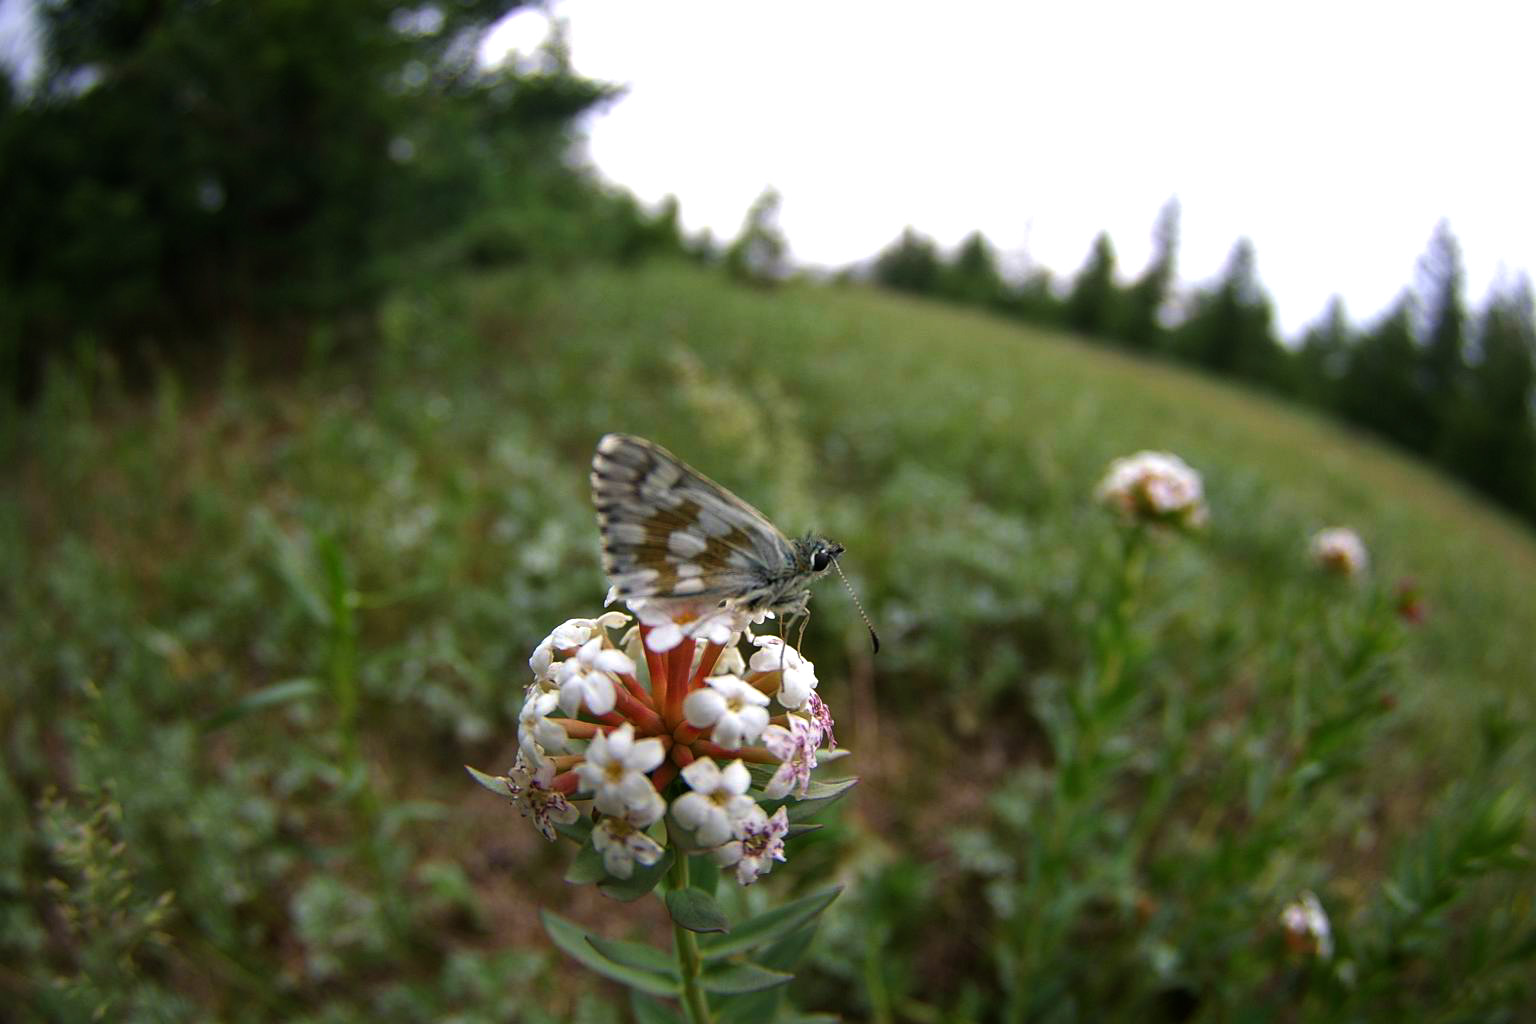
(735, 778)
(646, 755)
(703, 707)
(703, 775)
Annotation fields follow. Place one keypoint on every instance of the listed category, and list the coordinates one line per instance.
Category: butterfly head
(816, 555)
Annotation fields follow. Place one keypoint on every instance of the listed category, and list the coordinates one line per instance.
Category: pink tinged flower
(796, 748)
(589, 678)
(623, 846)
(799, 674)
(1340, 550)
(1154, 487)
(735, 710)
(717, 802)
(534, 726)
(821, 721)
(759, 842)
(534, 796)
(1307, 929)
(615, 773)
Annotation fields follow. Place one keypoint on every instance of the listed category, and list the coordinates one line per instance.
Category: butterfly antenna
(874, 638)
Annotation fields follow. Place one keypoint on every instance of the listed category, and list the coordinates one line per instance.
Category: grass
(386, 537)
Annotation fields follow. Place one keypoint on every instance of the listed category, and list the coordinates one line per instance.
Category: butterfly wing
(669, 531)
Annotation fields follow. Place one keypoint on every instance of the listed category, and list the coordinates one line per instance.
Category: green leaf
(577, 831)
(649, 1011)
(704, 874)
(586, 867)
(575, 942)
(272, 696)
(786, 952)
(635, 954)
(732, 979)
(627, 890)
(696, 911)
(818, 798)
(495, 783)
(293, 566)
(767, 927)
(748, 1007)
(802, 829)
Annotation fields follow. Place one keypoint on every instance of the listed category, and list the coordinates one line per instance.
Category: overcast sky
(1334, 135)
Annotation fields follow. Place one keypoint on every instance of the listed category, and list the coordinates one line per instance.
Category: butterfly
(668, 531)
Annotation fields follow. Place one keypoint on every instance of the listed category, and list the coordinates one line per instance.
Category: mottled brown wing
(669, 531)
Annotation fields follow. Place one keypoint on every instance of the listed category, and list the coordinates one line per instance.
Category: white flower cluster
(1154, 488)
(1306, 927)
(589, 729)
(1339, 550)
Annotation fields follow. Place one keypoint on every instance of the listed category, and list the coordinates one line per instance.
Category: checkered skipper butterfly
(670, 532)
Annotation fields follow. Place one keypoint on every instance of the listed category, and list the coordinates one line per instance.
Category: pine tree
(1141, 326)
(973, 277)
(910, 264)
(1439, 285)
(759, 255)
(1379, 391)
(1491, 437)
(1232, 328)
(1093, 305)
(1323, 357)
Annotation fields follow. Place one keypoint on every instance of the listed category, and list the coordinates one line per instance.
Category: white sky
(1334, 135)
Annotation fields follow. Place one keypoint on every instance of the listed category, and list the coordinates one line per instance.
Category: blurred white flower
(1306, 927)
(570, 635)
(670, 621)
(717, 802)
(1154, 487)
(759, 842)
(589, 678)
(615, 772)
(735, 710)
(623, 846)
(799, 674)
(533, 796)
(533, 725)
(1339, 550)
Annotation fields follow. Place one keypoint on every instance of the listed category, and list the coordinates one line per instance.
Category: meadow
(257, 620)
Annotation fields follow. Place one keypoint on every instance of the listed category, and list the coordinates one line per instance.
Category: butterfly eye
(820, 561)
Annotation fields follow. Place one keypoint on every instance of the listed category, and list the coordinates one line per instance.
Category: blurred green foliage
(183, 171)
(255, 626)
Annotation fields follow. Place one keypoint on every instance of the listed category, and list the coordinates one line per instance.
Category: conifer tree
(1141, 327)
(1439, 286)
(1491, 439)
(1324, 356)
(1379, 390)
(1093, 305)
(1231, 330)
(973, 277)
(910, 264)
(760, 254)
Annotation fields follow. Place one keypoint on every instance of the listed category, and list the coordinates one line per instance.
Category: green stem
(687, 945)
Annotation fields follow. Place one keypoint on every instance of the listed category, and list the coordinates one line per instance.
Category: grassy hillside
(388, 538)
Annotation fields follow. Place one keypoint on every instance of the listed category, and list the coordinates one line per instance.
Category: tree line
(180, 172)
(1450, 383)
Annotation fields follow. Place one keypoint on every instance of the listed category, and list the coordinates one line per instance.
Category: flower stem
(687, 946)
